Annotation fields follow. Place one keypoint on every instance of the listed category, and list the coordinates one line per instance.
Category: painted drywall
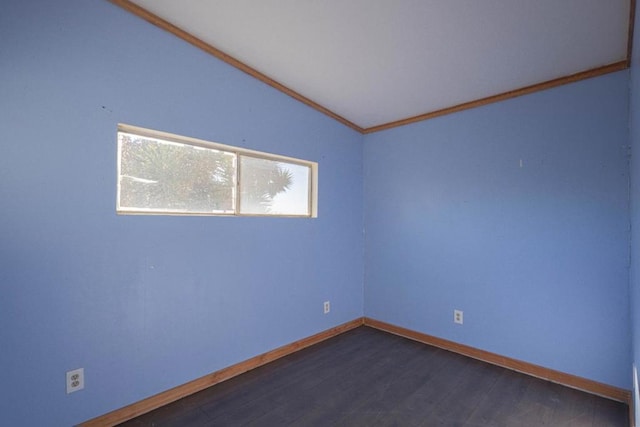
(515, 213)
(147, 303)
(634, 282)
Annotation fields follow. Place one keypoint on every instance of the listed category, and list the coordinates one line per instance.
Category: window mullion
(238, 162)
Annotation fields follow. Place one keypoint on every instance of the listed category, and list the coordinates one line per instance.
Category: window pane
(272, 187)
(165, 176)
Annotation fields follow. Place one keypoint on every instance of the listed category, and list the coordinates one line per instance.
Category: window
(161, 173)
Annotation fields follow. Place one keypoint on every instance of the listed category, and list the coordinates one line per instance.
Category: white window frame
(238, 151)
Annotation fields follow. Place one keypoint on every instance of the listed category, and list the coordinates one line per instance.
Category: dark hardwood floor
(366, 377)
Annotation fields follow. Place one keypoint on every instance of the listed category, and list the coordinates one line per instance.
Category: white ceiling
(374, 62)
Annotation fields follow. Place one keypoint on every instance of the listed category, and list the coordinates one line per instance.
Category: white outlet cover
(75, 380)
(458, 316)
(327, 307)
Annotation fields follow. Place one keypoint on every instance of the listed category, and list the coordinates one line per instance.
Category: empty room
(358, 212)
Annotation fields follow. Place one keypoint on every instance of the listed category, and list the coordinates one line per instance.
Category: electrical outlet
(75, 380)
(457, 316)
(327, 307)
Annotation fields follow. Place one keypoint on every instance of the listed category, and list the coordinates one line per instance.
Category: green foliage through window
(166, 176)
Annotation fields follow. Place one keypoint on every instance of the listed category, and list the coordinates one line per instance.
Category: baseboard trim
(149, 404)
(589, 386)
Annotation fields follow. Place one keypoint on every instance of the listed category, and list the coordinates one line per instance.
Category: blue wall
(536, 256)
(634, 130)
(147, 303)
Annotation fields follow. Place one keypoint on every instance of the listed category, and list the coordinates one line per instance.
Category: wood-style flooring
(366, 377)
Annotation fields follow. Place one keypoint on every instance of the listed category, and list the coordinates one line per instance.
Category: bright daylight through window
(160, 173)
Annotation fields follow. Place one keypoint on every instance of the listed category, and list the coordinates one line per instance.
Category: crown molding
(184, 35)
(583, 75)
(180, 33)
